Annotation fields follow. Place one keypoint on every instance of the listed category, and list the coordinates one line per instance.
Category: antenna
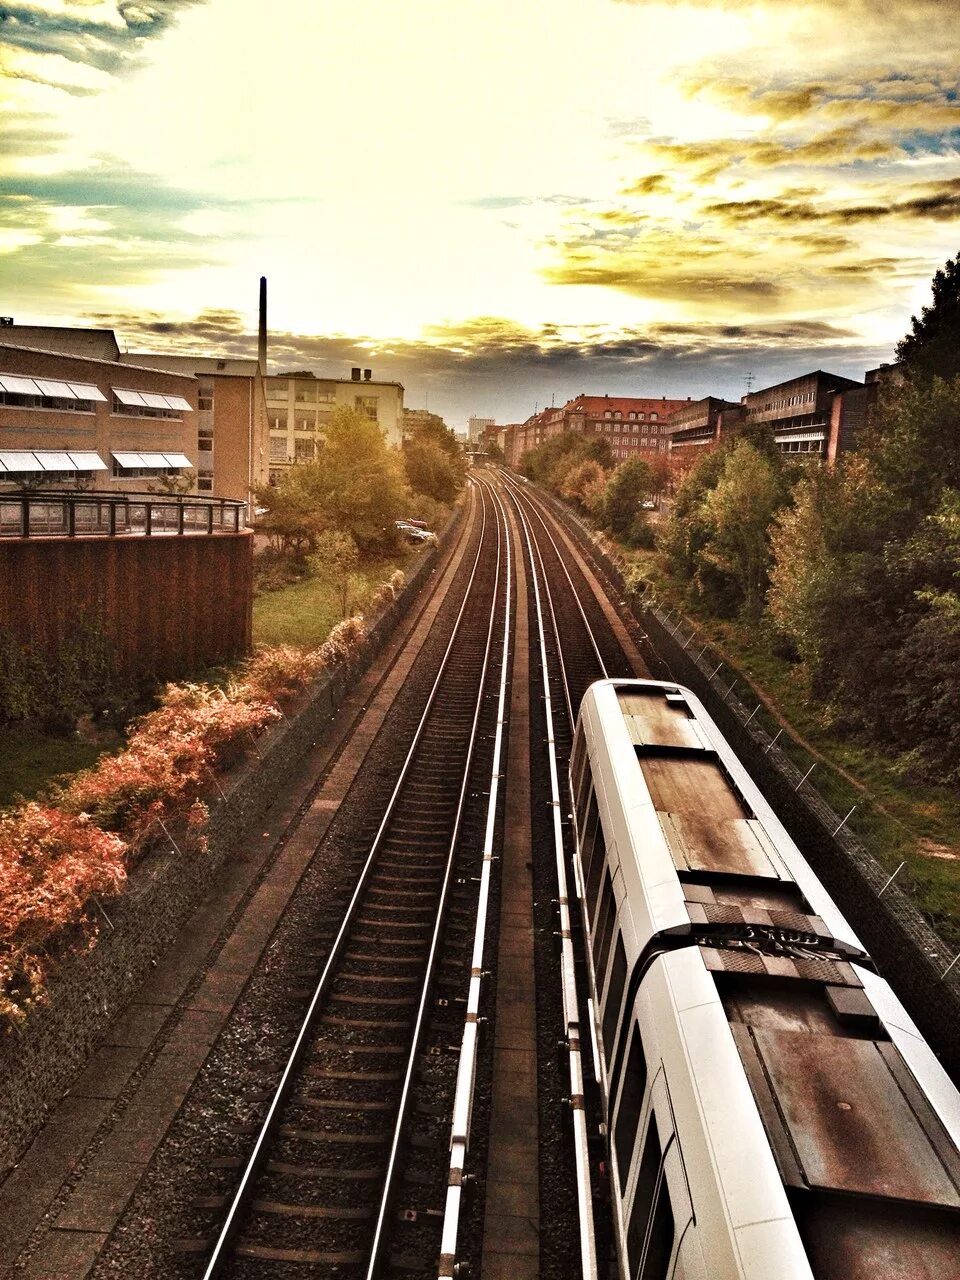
(749, 381)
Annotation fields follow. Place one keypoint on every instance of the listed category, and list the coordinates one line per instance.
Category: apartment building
(635, 426)
(702, 422)
(799, 411)
(69, 420)
(300, 405)
(231, 441)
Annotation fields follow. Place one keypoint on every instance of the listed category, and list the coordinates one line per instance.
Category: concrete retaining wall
(38, 1062)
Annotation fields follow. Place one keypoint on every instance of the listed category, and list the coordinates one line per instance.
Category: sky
(499, 203)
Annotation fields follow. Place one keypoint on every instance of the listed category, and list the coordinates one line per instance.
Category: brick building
(799, 411)
(702, 422)
(79, 420)
(231, 441)
(635, 426)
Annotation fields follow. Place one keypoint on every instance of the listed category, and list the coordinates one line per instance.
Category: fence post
(844, 821)
(805, 776)
(891, 879)
(772, 741)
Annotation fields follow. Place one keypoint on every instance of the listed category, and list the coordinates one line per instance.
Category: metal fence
(68, 515)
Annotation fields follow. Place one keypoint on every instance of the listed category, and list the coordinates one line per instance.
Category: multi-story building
(799, 411)
(79, 421)
(414, 418)
(702, 422)
(300, 405)
(231, 442)
(476, 427)
(634, 426)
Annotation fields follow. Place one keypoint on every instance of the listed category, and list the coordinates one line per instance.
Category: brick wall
(169, 605)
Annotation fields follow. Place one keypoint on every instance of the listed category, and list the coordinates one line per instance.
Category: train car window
(611, 1010)
(656, 1261)
(643, 1197)
(631, 1103)
(577, 764)
(598, 860)
(588, 840)
(603, 931)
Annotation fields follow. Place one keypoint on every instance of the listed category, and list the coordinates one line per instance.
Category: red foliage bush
(51, 865)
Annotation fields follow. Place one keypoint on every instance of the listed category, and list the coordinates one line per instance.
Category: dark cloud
(110, 46)
(939, 201)
(652, 184)
(494, 365)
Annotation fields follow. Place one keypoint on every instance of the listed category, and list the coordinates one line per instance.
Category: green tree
(432, 470)
(358, 482)
(738, 513)
(336, 558)
(293, 518)
(932, 347)
(622, 510)
(584, 484)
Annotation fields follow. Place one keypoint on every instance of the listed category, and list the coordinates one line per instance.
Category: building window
(608, 414)
(205, 445)
(631, 415)
(366, 405)
(278, 423)
(326, 397)
(278, 448)
(133, 410)
(304, 450)
(305, 393)
(205, 397)
(653, 417)
(205, 484)
(302, 423)
(618, 414)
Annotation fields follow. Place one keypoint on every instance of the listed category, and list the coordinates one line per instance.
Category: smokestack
(262, 344)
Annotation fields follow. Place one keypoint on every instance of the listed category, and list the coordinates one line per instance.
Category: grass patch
(30, 759)
(304, 612)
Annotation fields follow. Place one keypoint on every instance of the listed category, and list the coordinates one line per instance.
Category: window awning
(153, 460)
(87, 391)
(154, 400)
(50, 460)
(128, 459)
(18, 460)
(129, 397)
(86, 461)
(19, 386)
(59, 389)
(178, 402)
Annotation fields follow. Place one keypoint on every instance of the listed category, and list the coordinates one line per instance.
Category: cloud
(939, 201)
(504, 367)
(108, 36)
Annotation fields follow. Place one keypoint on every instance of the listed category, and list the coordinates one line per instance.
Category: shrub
(51, 865)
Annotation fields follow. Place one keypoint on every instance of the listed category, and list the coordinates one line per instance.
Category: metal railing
(36, 514)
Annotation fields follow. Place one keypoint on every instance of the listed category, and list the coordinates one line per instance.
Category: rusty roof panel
(849, 1121)
(856, 1240)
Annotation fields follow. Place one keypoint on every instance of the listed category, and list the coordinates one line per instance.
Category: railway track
(319, 1185)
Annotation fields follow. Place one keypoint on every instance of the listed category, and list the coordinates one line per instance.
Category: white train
(772, 1111)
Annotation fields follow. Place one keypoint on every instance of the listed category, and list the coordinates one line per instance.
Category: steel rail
(380, 1228)
(220, 1253)
(465, 1090)
(517, 492)
(571, 1010)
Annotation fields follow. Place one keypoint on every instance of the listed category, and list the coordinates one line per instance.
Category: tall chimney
(262, 344)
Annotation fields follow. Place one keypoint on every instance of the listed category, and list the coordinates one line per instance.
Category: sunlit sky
(497, 202)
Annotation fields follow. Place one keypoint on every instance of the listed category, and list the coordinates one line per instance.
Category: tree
(932, 347)
(433, 470)
(336, 558)
(584, 485)
(294, 518)
(738, 512)
(627, 489)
